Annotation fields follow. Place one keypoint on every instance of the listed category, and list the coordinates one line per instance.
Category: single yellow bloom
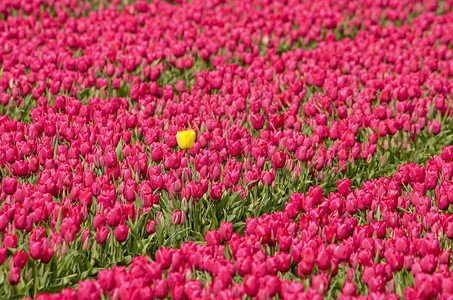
(186, 138)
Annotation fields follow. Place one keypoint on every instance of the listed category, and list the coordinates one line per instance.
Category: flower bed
(225, 149)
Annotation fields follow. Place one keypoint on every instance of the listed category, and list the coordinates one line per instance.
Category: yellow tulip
(186, 138)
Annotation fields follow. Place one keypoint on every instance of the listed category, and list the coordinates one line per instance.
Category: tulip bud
(160, 288)
(151, 226)
(98, 221)
(114, 216)
(344, 186)
(251, 285)
(10, 241)
(257, 121)
(304, 269)
(260, 162)
(447, 153)
(14, 276)
(349, 288)
(226, 231)
(212, 237)
(9, 185)
(449, 230)
(35, 250)
(183, 217)
(106, 279)
(184, 205)
(101, 235)
(20, 259)
(86, 240)
(47, 255)
(216, 191)
(320, 283)
(3, 253)
(291, 210)
(323, 259)
(160, 217)
(180, 86)
(186, 138)
(429, 263)
(321, 176)
(164, 256)
(121, 233)
(395, 259)
(64, 249)
(157, 154)
(110, 159)
(268, 178)
(176, 217)
(444, 257)
(278, 160)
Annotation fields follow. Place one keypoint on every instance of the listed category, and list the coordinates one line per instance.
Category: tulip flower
(163, 256)
(121, 233)
(47, 255)
(178, 217)
(278, 160)
(212, 237)
(14, 276)
(9, 185)
(102, 234)
(89, 288)
(251, 285)
(349, 288)
(10, 241)
(35, 250)
(3, 253)
(344, 186)
(216, 191)
(186, 138)
(226, 231)
(151, 226)
(4, 220)
(320, 283)
(106, 279)
(160, 288)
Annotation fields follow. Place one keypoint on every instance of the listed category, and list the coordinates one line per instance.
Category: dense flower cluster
(234, 142)
(320, 238)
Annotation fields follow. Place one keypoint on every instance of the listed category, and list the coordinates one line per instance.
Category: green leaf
(119, 149)
(53, 288)
(231, 218)
(401, 209)
(57, 226)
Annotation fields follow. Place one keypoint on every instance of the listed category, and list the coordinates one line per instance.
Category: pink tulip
(212, 237)
(251, 285)
(121, 233)
(9, 185)
(226, 231)
(14, 276)
(102, 234)
(344, 187)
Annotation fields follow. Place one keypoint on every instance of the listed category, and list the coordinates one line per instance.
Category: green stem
(102, 256)
(35, 269)
(112, 247)
(188, 161)
(119, 251)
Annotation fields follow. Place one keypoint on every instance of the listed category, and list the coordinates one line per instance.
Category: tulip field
(226, 149)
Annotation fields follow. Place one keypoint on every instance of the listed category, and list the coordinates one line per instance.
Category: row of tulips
(49, 52)
(389, 238)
